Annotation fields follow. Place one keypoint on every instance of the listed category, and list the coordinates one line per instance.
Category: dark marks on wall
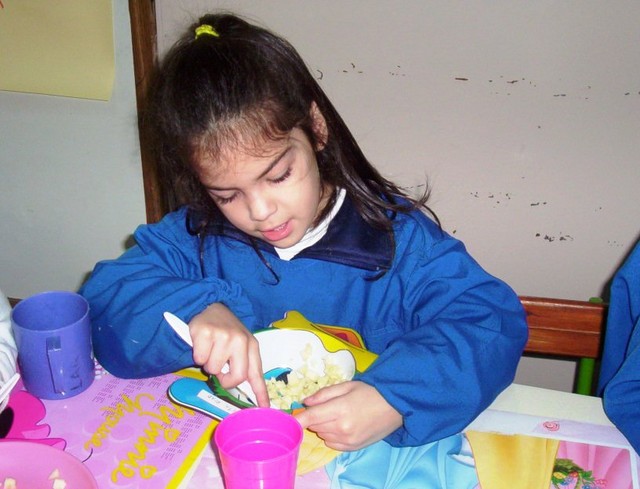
(495, 198)
(352, 69)
(551, 238)
(397, 71)
(509, 85)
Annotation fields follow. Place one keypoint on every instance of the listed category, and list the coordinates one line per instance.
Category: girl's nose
(260, 207)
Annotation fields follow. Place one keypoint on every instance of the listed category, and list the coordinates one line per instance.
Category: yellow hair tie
(206, 29)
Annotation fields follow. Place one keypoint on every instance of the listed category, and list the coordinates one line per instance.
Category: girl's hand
(349, 416)
(219, 338)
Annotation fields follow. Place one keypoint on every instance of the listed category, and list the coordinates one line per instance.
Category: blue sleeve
(465, 334)
(624, 310)
(129, 295)
(619, 381)
(621, 396)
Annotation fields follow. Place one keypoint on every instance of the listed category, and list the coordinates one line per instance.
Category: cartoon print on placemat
(566, 474)
(581, 465)
(125, 431)
(22, 420)
(554, 461)
(588, 466)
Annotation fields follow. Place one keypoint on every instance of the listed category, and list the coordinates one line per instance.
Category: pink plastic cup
(258, 449)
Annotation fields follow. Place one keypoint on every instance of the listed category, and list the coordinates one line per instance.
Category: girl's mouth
(278, 233)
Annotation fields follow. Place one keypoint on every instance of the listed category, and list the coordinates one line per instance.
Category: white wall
(525, 116)
(71, 179)
(533, 159)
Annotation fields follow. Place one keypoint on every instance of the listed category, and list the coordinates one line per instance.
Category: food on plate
(304, 381)
(9, 483)
(57, 482)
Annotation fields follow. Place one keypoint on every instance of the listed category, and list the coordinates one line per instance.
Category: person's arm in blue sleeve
(129, 295)
(621, 399)
(466, 331)
(462, 335)
(619, 382)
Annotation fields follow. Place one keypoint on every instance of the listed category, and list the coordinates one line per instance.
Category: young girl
(278, 209)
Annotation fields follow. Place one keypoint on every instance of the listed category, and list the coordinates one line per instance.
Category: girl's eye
(282, 177)
(224, 200)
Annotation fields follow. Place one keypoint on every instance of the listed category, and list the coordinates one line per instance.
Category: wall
(71, 179)
(524, 116)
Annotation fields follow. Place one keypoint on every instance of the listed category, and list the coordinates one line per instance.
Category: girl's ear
(319, 125)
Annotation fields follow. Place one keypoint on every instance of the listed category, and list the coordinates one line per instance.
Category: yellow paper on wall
(62, 47)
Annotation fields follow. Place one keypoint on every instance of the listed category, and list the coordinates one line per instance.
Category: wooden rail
(557, 327)
(564, 327)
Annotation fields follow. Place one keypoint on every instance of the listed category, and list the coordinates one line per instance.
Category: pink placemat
(126, 432)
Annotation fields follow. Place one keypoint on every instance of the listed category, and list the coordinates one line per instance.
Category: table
(521, 407)
(536, 401)
(127, 431)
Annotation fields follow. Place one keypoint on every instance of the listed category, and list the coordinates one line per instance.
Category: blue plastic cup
(53, 336)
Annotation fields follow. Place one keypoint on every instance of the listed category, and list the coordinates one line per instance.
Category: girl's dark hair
(239, 84)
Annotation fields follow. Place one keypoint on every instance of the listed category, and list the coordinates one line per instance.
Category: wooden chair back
(564, 327)
(557, 327)
(567, 328)
(561, 328)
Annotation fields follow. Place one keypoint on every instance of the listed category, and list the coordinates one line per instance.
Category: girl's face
(274, 194)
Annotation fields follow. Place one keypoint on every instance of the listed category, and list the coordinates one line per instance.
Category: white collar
(313, 235)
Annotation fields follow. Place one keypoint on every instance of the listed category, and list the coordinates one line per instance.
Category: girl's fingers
(327, 393)
(318, 413)
(237, 372)
(219, 338)
(255, 375)
(259, 388)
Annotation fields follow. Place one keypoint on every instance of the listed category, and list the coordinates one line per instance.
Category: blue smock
(619, 382)
(448, 334)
